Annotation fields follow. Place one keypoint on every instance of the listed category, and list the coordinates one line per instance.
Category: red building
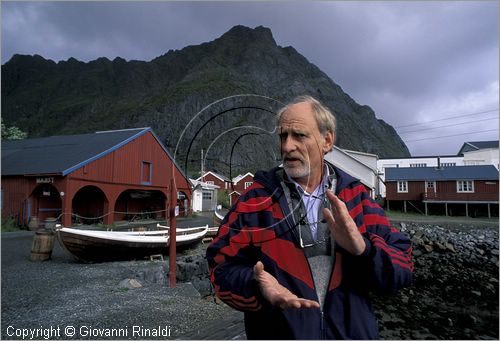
(240, 184)
(473, 188)
(213, 178)
(88, 178)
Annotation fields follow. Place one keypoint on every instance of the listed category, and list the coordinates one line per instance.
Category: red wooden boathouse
(470, 190)
(98, 177)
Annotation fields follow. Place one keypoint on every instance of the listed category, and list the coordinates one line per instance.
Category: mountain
(189, 98)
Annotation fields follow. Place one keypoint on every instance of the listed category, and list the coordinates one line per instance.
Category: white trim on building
(204, 196)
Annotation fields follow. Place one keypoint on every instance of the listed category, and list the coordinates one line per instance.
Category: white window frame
(418, 165)
(209, 182)
(402, 186)
(248, 184)
(463, 186)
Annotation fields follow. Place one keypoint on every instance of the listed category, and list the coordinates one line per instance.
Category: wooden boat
(212, 231)
(103, 246)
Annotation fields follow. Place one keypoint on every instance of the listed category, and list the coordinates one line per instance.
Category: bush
(223, 198)
(9, 225)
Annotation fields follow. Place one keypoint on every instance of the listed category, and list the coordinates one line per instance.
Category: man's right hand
(277, 294)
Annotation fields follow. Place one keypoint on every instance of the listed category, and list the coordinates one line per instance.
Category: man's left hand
(342, 226)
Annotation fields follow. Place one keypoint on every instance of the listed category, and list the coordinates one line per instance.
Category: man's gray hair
(324, 117)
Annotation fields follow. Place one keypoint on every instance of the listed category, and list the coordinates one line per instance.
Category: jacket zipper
(321, 321)
(323, 336)
(323, 329)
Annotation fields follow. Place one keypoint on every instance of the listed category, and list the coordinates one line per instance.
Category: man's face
(302, 144)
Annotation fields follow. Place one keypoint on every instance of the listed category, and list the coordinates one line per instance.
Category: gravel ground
(62, 293)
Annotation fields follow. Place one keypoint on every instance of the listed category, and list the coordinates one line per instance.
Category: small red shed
(99, 177)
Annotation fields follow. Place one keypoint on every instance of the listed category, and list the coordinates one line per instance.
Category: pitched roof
(217, 175)
(66, 153)
(237, 179)
(485, 172)
(202, 185)
(477, 145)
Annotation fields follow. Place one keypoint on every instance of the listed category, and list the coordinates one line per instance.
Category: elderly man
(305, 244)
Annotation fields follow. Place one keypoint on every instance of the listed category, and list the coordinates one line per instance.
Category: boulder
(129, 283)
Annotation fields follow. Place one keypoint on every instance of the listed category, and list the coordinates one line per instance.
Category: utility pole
(172, 254)
(202, 168)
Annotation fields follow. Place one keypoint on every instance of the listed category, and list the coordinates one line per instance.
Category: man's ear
(328, 141)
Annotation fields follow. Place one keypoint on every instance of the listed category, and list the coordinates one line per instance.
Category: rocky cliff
(189, 98)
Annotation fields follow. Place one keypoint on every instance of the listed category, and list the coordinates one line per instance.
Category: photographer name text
(51, 332)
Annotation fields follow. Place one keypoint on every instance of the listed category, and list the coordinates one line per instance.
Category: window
(207, 195)
(465, 186)
(146, 172)
(402, 186)
(248, 184)
(209, 182)
(418, 165)
(448, 164)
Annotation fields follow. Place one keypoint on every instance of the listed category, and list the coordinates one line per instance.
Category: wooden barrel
(43, 243)
(34, 223)
(50, 223)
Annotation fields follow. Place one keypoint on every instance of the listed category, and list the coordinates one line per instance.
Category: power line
(449, 125)
(449, 118)
(440, 137)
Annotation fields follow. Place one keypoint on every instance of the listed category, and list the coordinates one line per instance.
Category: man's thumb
(258, 268)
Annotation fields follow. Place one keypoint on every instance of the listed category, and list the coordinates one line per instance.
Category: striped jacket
(259, 226)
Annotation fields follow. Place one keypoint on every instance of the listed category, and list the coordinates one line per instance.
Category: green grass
(9, 225)
(421, 217)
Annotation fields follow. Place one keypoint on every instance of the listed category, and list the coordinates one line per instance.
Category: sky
(429, 68)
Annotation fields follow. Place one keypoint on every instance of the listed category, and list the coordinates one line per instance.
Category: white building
(360, 165)
(482, 157)
(204, 196)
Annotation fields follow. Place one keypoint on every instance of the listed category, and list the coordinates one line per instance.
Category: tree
(223, 198)
(12, 133)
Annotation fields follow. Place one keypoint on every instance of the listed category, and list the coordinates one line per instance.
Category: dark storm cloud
(410, 61)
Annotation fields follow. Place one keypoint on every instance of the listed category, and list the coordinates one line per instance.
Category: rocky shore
(455, 289)
(454, 294)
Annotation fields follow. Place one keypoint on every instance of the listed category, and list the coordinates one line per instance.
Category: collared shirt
(312, 201)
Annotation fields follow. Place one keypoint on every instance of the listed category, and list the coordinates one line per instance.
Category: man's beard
(299, 170)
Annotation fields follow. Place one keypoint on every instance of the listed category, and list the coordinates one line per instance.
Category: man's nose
(287, 145)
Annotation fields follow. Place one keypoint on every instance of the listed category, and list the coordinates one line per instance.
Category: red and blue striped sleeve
(233, 253)
(386, 263)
